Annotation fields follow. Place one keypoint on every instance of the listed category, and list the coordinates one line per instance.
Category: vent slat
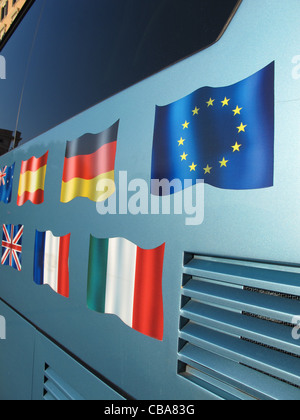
(268, 333)
(56, 388)
(48, 397)
(54, 392)
(240, 314)
(274, 307)
(203, 378)
(277, 281)
(238, 376)
(261, 358)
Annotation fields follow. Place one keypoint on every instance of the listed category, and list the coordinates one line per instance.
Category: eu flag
(224, 136)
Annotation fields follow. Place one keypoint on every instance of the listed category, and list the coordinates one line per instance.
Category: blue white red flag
(51, 261)
(12, 246)
(6, 183)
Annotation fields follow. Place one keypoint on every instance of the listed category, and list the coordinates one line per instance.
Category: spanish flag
(32, 180)
(88, 160)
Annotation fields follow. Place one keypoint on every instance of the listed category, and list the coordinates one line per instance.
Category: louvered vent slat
(239, 379)
(48, 397)
(240, 313)
(53, 391)
(233, 323)
(55, 388)
(243, 275)
(262, 304)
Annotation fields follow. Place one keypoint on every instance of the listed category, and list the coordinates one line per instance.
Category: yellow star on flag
(207, 169)
(224, 163)
(210, 102)
(242, 128)
(193, 167)
(237, 111)
(181, 142)
(225, 102)
(236, 147)
(183, 157)
(185, 125)
(196, 111)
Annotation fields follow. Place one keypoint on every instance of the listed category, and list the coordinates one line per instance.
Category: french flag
(51, 261)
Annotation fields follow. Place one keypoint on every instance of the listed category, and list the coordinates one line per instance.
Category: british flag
(12, 246)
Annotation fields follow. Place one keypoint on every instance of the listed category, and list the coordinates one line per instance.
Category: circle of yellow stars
(235, 148)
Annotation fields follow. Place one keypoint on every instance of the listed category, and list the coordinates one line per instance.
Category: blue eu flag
(224, 136)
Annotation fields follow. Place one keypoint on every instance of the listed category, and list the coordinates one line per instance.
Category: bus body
(230, 281)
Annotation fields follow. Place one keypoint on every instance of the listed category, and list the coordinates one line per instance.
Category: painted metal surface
(256, 224)
(16, 356)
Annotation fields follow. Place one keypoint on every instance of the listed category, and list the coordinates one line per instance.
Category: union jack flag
(12, 246)
(3, 175)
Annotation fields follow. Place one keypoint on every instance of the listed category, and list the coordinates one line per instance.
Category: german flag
(88, 160)
(32, 180)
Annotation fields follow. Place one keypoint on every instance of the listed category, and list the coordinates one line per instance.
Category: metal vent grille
(236, 327)
(56, 389)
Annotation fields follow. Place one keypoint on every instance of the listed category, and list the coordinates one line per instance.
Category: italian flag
(126, 281)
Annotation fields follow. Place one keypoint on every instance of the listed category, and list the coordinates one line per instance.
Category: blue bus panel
(150, 244)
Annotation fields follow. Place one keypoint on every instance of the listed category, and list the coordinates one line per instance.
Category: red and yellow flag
(32, 180)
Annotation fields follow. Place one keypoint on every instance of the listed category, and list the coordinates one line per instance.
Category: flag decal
(88, 160)
(32, 180)
(222, 135)
(126, 281)
(51, 261)
(6, 183)
(12, 246)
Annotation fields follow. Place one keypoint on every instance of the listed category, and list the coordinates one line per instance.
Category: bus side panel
(258, 225)
(16, 356)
